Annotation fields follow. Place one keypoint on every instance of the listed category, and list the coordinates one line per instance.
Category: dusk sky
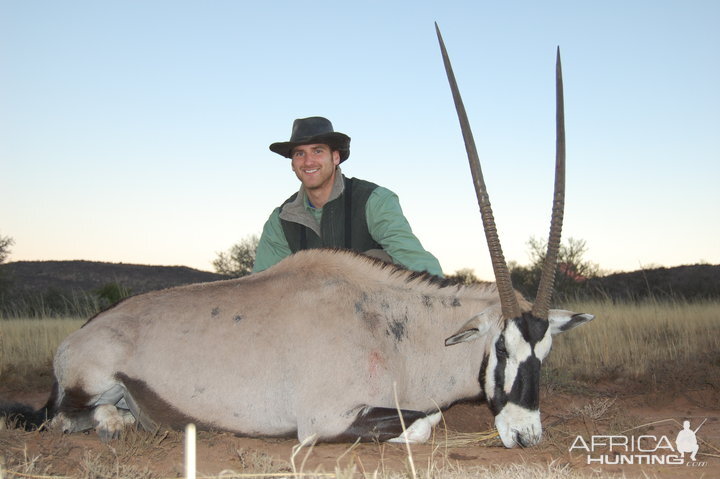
(138, 131)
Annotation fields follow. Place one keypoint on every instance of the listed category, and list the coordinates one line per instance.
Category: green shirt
(387, 225)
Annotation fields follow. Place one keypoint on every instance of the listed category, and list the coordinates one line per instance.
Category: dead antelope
(320, 346)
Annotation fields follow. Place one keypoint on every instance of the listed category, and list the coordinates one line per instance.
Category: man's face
(314, 165)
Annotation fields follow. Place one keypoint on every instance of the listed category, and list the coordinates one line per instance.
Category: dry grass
(508, 471)
(98, 466)
(28, 345)
(637, 340)
(603, 415)
(259, 462)
(131, 457)
(471, 439)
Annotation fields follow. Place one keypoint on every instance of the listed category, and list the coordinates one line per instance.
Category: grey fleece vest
(343, 224)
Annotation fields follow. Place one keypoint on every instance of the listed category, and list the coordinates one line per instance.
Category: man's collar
(298, 210)
(337, 189)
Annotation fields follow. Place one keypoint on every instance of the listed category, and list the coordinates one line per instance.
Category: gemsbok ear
(476, 327)
(562, 320)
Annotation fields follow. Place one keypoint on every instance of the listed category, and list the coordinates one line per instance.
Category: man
(686, 441)
(332, 211)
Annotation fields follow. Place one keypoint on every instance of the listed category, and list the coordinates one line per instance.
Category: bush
(573, 270)
(239, 261)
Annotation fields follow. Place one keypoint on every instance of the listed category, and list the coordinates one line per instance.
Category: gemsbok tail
(24, 416)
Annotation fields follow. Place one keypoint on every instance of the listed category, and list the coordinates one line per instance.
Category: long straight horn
(547, 279)
(508, 300)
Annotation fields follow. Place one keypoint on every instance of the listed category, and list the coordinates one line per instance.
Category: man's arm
(272, 246)
(389, 227)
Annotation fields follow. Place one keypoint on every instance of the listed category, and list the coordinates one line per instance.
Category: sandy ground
(566, 416)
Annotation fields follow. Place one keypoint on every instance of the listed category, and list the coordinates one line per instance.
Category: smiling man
(332, 211)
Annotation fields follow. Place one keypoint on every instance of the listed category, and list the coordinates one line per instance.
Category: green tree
(5, 243)
(572, 268)
(239, 260)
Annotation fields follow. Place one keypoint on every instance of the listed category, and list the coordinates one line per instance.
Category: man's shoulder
(360, 182)
(370, 186)
(290, 199)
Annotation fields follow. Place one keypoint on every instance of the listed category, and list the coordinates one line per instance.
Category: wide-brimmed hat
(308, 131)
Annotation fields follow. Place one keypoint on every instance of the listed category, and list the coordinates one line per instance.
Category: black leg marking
(145, 421)
(152, 410)
(378, 424)
(75, 407)
(74, 401)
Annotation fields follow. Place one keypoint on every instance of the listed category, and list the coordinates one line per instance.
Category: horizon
(601, 272)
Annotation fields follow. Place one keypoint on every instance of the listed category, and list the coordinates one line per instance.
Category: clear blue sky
(138, 131)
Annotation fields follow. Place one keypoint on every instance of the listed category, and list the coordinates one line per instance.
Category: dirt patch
(609, 411)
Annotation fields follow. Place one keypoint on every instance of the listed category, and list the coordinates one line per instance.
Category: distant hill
(82, 288)
(691, 282)
(88, 276)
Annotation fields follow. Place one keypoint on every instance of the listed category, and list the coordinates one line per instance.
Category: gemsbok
(327, 345)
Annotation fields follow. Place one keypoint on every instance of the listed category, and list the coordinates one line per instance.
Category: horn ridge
(541, 306)
(508, 300)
